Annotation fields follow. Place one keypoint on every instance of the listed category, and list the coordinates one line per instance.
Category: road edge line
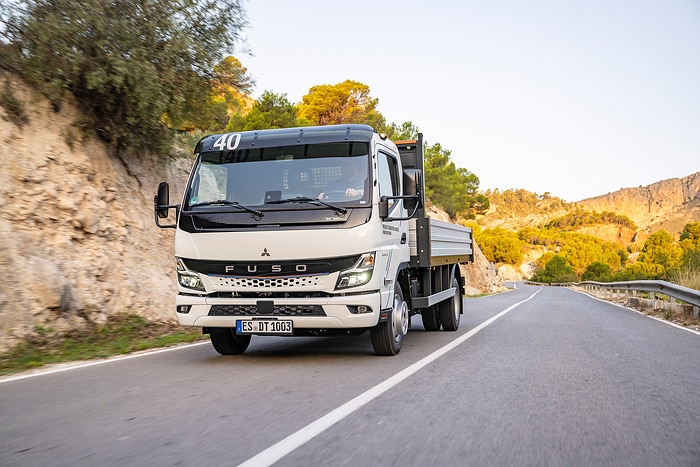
(661, 320)
(62, 367)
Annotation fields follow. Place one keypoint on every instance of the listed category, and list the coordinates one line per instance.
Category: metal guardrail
(678, 292)
(684, 294)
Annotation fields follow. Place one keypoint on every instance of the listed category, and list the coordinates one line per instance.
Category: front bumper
(338, 312)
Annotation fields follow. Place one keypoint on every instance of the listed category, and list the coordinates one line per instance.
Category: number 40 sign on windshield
(229, 141)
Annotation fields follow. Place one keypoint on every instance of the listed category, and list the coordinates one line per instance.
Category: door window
(388, 177)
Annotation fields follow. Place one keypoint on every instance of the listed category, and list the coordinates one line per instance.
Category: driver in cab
(351, 183)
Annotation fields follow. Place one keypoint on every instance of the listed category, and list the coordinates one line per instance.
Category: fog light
(183, 309)
(359, 310)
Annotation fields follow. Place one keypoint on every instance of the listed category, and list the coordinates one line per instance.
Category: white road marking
(60, 368)
(280, 449)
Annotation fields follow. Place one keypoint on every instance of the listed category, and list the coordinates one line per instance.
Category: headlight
(187, 278)
(360, 274)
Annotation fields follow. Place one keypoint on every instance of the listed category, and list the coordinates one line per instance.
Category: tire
(451, 310)
(227, 342)
(387, 336)
(431, 318)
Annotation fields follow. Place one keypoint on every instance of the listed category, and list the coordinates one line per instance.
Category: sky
(577, 98)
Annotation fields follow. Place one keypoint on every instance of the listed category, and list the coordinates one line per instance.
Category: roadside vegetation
(566, 255)
(121, 334)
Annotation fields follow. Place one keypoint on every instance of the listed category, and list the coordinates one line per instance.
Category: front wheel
(227, 342)
(387, 336)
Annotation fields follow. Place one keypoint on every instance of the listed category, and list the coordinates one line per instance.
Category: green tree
(688, 273)
(597, 271)
(639, 271)
(659, 255)
(346, 102)
(690, 236)
(542, 261)
(580, 218)
(500, 245)
(270, 111)
(402, 132)
(453, 189)
(691, 259)
(580, 250)
(231, 78)
(129, 63)
(556, 270)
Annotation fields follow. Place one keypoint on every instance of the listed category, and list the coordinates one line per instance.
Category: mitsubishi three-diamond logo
(265, 253)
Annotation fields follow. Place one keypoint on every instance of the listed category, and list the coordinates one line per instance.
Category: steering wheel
(335, 195)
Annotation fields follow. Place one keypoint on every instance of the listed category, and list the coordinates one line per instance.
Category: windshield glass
(335, 173)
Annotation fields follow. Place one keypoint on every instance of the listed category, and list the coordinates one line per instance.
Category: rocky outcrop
(668, 204)
(78, 240)
(614, 233)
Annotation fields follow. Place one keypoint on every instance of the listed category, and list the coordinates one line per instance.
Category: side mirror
(161, 206)
(412, 184)
(162, 200)
(383, 207)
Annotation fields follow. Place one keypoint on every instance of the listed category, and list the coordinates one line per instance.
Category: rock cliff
(78, 239)
(668, 204)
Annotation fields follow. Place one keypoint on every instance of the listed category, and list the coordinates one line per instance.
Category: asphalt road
(533, 377)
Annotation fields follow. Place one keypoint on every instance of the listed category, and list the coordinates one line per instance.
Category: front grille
(242, 282)
(278, 310)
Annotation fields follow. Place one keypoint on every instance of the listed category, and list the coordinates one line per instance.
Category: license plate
(264, 326)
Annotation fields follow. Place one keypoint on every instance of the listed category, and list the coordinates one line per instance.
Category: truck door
(394, 233)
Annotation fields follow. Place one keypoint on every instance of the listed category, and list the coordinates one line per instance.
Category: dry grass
(121, 334)
(687, 277)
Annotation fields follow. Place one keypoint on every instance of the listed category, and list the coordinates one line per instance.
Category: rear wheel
(227, 342)
(431, 318)
(387, 336)
(451, 310)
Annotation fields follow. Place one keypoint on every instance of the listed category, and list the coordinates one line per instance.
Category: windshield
(336, 173)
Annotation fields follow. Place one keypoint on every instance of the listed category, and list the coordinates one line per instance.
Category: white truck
(274, 236)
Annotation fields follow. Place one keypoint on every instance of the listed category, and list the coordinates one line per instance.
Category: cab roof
(285, 137)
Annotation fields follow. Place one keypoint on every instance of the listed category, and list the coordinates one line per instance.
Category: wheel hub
(399, 317)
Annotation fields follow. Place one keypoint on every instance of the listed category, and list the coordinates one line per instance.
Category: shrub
(13, 106)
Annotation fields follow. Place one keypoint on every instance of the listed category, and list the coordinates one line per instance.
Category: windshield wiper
(257, 215)
(303, 199)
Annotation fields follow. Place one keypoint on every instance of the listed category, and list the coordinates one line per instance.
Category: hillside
(625, 218)
(668, 204)
(515, 209)
(79, 241)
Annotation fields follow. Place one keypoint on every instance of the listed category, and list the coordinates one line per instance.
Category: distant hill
(668, 204)
(515, 209)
